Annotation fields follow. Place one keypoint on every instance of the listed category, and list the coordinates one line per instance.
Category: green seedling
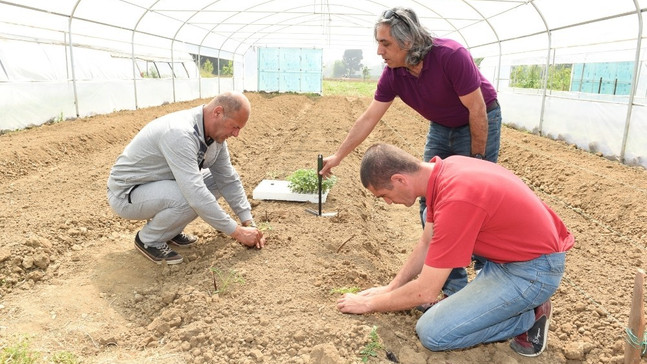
(225, 280)
(372, 347)
(273, 174)
(18, 353)
(307, 181)
(264, 226)
(64, 357)
(343, 290)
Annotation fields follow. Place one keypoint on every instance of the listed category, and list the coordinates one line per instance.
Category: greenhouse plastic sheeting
(72, 58)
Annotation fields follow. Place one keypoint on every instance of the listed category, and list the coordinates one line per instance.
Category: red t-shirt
(478, 207)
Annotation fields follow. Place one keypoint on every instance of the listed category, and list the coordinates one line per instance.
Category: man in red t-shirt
(477, 208)
(439, 79)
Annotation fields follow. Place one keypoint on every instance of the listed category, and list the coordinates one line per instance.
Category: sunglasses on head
(391, 14)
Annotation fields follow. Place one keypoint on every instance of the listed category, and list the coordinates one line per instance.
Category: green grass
(349, 88)
(18, 353)
(64, 357)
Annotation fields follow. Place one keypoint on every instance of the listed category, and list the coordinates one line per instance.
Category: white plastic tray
(270, 189)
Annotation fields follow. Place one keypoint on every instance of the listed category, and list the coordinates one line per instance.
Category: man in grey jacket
(175, 169)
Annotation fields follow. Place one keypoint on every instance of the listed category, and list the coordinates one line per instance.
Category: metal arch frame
(548, 31)
(250, 45)
(549, 35)
(256, 40)
(260, 38)
(268, 26)
(132, 47)
(498, 40)
(630, 102)
(456, 29)
(134, 31)
(211, 31)
(381, 4)
(199, 55)
(69, 30)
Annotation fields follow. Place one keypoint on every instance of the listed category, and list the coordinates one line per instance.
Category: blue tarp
(290, 70)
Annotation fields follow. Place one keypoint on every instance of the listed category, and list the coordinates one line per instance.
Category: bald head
(226, 115)
(232, 103)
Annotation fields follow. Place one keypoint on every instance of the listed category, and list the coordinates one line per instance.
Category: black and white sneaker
(183, 239)
(158, 255)
(533, 342)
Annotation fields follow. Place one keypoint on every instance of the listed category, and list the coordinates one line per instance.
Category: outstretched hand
(328, 164)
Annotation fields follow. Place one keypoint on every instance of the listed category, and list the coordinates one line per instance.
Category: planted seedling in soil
(225, 280)
(264, 226)
(372, 347)
(307, 181)
(343, 290)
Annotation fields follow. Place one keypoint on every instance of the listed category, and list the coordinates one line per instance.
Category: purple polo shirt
(448, 71)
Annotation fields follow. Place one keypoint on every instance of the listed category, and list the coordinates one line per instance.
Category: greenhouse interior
(569, 70)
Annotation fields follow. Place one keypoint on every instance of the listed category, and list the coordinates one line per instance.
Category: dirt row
(72, 281)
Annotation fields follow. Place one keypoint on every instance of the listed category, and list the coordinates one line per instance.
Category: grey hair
(408, 33)
(230, 101)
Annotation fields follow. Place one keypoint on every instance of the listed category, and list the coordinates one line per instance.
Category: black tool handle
(319, 168)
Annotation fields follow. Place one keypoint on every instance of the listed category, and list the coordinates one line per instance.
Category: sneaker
(426, 306)
(533, 342)
(183, 239)
(158, 255)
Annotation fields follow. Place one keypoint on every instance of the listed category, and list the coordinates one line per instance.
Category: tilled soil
(71, 280)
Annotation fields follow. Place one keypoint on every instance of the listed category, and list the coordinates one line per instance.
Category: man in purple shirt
(439, 79)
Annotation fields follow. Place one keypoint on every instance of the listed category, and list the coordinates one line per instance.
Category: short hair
(381, 161)
(231, 102)
(407, 32)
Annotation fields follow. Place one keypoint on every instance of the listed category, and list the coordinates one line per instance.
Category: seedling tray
(271, 189)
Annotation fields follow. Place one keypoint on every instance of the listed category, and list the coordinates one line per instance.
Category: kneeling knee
(431, 338)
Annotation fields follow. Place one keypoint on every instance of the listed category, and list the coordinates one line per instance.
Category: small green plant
(18, 353)
(372, 346)
(225, 280)
(307, 181)
(264, 226)
(64, 357)
(343, 290)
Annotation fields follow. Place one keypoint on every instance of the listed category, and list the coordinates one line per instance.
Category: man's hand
(354, 303)
(249, 236)
(328, 164)
(374, 291)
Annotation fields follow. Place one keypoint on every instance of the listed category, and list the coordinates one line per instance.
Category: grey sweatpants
(162, 204)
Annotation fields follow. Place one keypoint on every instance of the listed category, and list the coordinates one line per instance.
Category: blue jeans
(444, 142)
(507, 294)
